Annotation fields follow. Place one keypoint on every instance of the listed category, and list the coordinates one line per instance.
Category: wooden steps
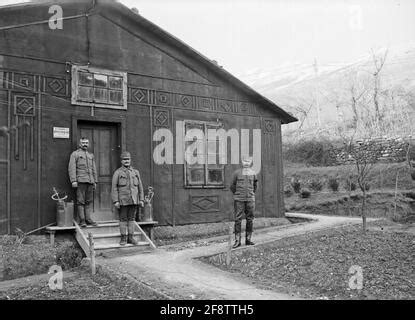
(106, 237)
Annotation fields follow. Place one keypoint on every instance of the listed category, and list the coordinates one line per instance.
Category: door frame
(120, 122)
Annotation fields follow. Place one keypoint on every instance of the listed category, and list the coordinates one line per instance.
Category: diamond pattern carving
(139, 95)
(161, 118)
(24, 106)
(204, 203)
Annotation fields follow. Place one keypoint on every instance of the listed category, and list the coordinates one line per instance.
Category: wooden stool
(53, 229)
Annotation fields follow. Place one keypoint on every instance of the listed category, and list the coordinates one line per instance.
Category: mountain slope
(320, 95)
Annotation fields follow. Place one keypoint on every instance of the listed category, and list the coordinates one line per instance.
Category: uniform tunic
(243, 187)
(127, 188)
(82, 168)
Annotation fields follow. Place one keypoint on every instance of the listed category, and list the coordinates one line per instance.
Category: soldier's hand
(141, 204)
(117, 205)
(94, 186)
(75, 184)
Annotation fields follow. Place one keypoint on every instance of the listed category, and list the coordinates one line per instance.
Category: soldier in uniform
(243, 187)
(83, 176)
(127, 194)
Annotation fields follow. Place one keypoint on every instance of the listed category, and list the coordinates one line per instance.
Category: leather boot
(130, 239)
(237, 241)
(123, 231)
(88, 211)
(248, 241)
(81, 215)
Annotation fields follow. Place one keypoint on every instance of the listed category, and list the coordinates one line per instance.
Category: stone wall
(380, 149)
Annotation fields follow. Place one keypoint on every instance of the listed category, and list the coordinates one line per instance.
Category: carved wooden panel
(24, 111)
(22, 81)
(204, 203)
(205, 103)
(56, 86)
(188, 101)
(269, 126)
(161, 117)
(163, 98)
(138, 95)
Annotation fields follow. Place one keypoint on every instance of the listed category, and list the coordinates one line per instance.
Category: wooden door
(104, 143)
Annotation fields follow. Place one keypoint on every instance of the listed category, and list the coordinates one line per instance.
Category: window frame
(75, 99)
(205, 184)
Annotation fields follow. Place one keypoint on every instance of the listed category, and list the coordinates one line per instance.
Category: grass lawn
(83, 286)
(31, 255)
(316, 265)
(380, 203)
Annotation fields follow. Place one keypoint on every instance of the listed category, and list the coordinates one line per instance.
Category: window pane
(116, 97)
(115, 82)
(85, 93)
(195, 175)
(215, 176)
(85, 78)
(191, 125)
(100, 80)
(101, 95)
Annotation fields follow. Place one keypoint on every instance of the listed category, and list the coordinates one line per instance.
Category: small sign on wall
(60, 133)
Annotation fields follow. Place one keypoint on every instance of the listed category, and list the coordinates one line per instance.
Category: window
(100, 88)
(207, 172)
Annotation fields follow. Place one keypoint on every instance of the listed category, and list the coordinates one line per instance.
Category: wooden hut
(115, 77)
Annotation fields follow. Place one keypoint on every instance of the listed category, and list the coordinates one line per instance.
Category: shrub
(69, 256)
(305, 193)
(333, 184)
(315, 184)
(295, 184)
(350, 185)
(311, 153)
(288, 192)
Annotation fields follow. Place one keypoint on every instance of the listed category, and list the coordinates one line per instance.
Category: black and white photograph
(204, 156)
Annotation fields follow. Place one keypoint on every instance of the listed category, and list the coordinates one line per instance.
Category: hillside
(320, 96)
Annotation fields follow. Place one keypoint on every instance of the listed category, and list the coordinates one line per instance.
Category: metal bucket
(148, 212)
(64, 213)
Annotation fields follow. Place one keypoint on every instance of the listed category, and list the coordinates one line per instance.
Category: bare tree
(378, 62)
(357, 90)
(364, 157)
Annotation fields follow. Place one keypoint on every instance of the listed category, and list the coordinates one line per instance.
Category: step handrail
(145, 235)
(80, 237)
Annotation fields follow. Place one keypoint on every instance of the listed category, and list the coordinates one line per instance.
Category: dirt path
(179, 275)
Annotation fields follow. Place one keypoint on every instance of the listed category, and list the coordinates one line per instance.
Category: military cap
(125, 155)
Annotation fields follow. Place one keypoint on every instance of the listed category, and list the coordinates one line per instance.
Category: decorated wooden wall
(165, 85)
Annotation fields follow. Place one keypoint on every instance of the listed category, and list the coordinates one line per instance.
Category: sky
(243, 35)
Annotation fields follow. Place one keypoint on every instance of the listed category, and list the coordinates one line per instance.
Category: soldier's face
(126, 162)
(84, 144)
(246, 163)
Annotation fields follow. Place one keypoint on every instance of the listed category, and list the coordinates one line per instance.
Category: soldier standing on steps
(127, 193)
(83, 176)
(243, 187)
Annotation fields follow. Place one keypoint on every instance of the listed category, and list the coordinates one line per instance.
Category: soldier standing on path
(243, 187)
(83, 176)
(127, 193)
